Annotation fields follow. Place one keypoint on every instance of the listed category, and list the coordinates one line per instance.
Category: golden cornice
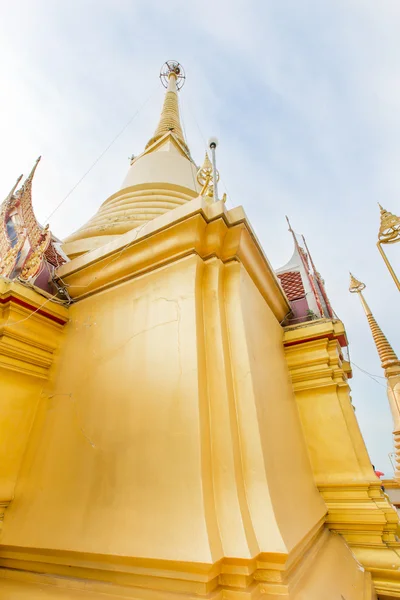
(315, 364)
(194, 228)
(268, 572)
(29, 335)
(310, 330)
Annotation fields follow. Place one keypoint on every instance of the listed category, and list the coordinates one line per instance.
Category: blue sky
(303, 95)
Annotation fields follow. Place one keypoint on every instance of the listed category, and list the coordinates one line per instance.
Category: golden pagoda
(176, 420)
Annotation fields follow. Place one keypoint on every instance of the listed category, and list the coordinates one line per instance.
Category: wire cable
(99, 157)
(369, 374)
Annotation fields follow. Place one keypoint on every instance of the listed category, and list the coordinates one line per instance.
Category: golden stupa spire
(170, 120)
(386, 353)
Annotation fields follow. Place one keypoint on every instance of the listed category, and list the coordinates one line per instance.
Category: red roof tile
(292, 285)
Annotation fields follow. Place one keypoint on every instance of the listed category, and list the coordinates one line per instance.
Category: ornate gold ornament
(356, 286)
(32, 265)
(389, 230)
(389, 233)
(205, 178)
(8, 263)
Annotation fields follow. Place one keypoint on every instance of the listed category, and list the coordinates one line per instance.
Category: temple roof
(28, 251)
(301, 280)
(292, 284)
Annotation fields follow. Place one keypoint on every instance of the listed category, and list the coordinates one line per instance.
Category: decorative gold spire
(170, 120)
(389, 230)
(386, 353)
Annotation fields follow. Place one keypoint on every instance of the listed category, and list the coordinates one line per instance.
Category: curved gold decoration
(8, 263)
(205, 178)
(24, 196)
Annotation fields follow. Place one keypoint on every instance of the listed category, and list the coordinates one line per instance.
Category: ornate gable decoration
(28, 251)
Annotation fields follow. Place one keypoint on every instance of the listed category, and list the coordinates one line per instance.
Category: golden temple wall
(167, 456)
(135, 423)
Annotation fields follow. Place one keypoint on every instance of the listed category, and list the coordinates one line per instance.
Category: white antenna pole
(213, 142)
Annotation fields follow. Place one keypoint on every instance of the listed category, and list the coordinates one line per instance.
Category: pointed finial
(207, 162)
(356, 286)
(289, 225)
(389, 230)
(28, 180)
(205, 177)
(172, 77)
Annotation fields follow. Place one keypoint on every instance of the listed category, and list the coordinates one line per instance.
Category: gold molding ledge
(194, 228)
(30, 329)
(268, 573)
(358, 510)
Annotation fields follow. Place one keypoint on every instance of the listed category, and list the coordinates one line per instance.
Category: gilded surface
(35, 259)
